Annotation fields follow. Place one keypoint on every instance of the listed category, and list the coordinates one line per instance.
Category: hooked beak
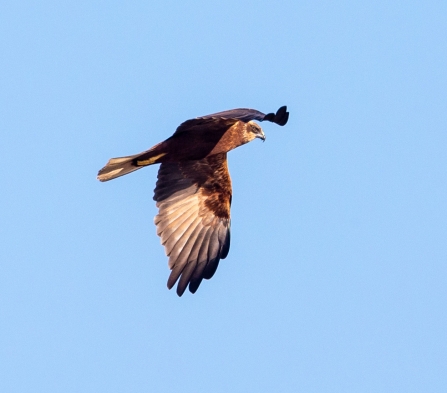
(261, 136)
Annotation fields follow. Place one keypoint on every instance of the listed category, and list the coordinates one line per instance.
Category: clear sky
(336, 280)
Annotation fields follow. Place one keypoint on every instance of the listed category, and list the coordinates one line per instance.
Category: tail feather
(121, 166)
(117, 167)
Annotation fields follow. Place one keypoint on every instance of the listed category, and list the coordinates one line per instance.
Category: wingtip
(180, 291)
(280, 117)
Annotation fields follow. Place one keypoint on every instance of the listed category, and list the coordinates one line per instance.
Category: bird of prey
(193, 190)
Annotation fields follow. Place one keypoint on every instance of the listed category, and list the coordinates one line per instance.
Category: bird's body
(193, 191)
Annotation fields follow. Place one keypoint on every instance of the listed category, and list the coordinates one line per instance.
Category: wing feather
(170, 208)
(206, 259)
(213, 259)
(280, 117)
(182, 239)
(176, 271)
(185, 277)
(197, 276)
(193, 198)
(173, 232)
(175, 195)
(182, 252)
(197, 242)
(175, 209)
(224, 240)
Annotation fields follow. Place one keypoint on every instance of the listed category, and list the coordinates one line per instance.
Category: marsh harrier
(193, 190)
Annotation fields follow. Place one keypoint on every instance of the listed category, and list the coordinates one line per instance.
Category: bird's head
(253, 131)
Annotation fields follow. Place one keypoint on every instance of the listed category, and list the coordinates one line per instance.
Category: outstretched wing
(216, 124)
(193, 222)
(280, 117)
(211, 127)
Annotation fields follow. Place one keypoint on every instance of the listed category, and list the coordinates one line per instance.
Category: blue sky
(336, 277)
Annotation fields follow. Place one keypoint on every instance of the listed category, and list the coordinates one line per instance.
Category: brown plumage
(193, 190)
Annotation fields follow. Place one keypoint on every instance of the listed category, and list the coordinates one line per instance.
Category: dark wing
(280, 117)
(218, 123)
(193, 222)
(206, 125)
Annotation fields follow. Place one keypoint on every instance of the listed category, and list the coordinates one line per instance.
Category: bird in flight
(193, 189)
